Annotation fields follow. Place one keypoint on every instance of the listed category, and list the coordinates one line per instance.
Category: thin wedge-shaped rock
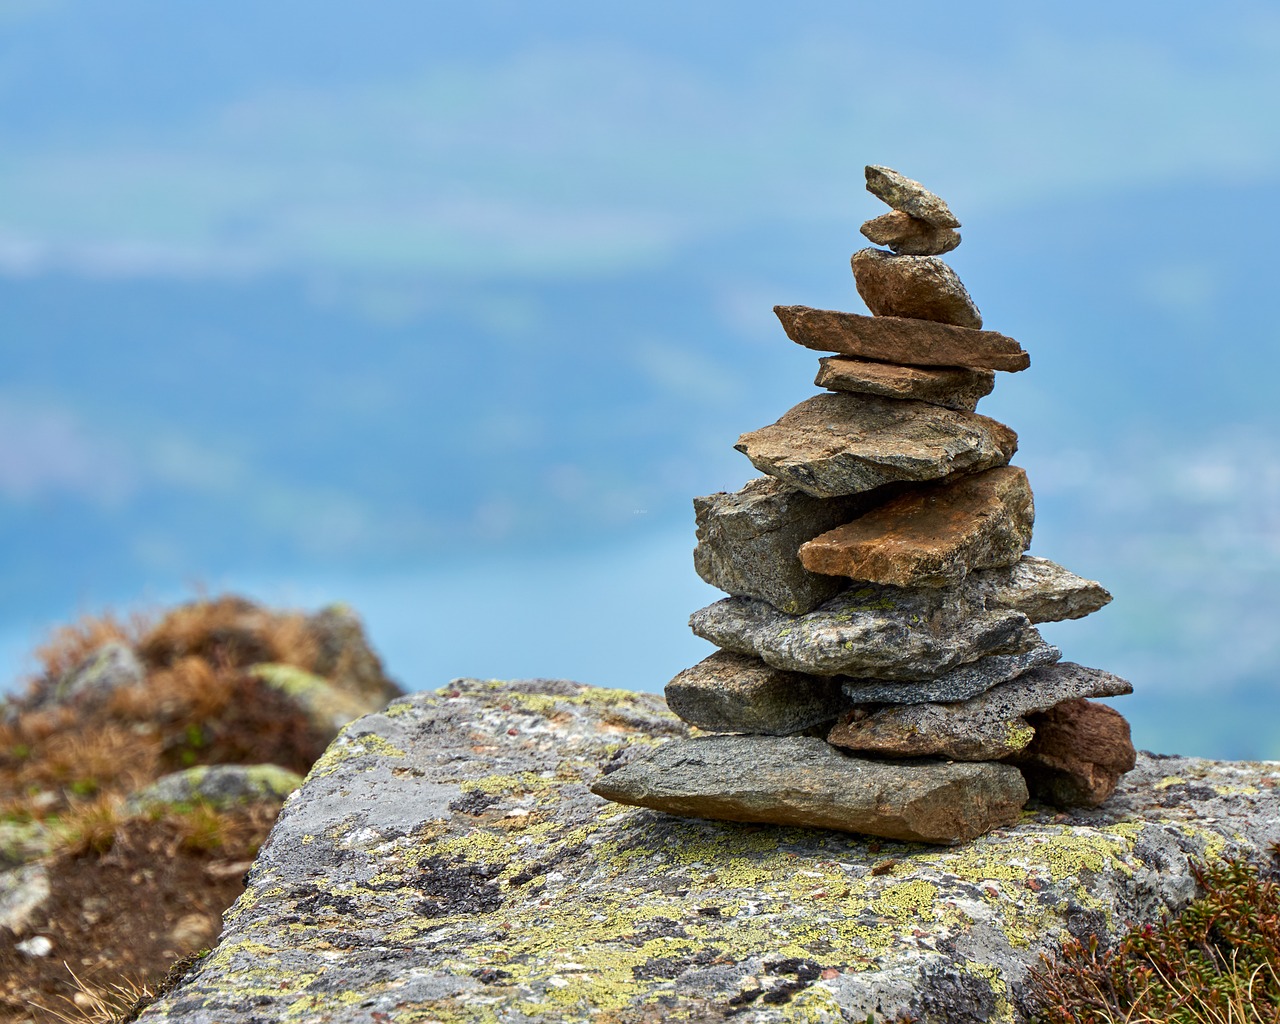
(953, 387)
(910, 235)
(958, 684)
(1042, 590)
(909, 196)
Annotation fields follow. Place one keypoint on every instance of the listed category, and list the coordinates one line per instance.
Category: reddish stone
(917, 287)
(1079, 752)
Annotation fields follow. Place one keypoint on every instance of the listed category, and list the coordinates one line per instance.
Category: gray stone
(1042, 590)
(959, 684)
(893, 339)
(747, 541)
(989, 726)
(916, 287)
(802, 781)
(909, 235)
(730, 692)
(932, 536)
(23, 891)
(952, 387)
(837, 444)
(222, 786)
(531, 899)
(344, 656)
(110, 667)
(909, 196)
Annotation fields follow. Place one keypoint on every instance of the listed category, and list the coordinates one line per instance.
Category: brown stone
(950, 387)
(913, 287)
(1079, 752)
(909, 235)
(934, 536)
(835, 444)
(892, 339)
(909, 196)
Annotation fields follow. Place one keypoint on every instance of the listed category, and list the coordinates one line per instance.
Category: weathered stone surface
(800, 780)
(748, 541)
(875, 631)
(531, 899)
(837, 444)
(916, 287)
(110, 667)
(730, 692)
(909, 235)
(1042, 590)
(893, 339)
(959, 684)
(989, 726)
(222, 786)
(1080, 751)
(952, 387)
(909, 196)
(933, 536)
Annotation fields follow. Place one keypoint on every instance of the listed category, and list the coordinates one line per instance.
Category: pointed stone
(990, 726)
(1042, 590)
(838, 444)
(909, 196)
(933, 536)
(909, 235)
(1079, 752)
(959, 684)
(915, 287)
(892, 339)
(730, 692)
(951, 387)
(802, 781)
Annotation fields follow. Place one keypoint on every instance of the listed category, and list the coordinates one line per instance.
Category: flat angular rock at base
(909, 196)
(837, 444)
(916, 287)
(748, 541)
(959, 684)
(893, 339)
(445, 860)
(730, 692)
(1042, 590)
(1080, 751)
(989, 726)
(800, 780)
(909, 235)
(933, 536)
(952, 387)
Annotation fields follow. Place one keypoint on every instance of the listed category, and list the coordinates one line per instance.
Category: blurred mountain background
(447, 310)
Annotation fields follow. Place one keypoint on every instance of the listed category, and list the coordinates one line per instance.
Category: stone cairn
(879, 669)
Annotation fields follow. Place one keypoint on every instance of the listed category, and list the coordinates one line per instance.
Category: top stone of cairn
(902, 193)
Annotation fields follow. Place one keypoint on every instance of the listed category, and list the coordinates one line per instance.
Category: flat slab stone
(952, 387)
(910, 235)
(894, 339)
(748, 541)
(989, 726)
(1042, 590)
(959, 684)
(838, 444)
(918, 287)
(800, 780)
(1080, 751)
(730, 692)
(933, 536)
(909, 196)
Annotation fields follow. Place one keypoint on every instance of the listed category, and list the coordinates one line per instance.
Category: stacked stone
(879, 667)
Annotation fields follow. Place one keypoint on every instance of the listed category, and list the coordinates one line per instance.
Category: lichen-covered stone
(893, 339)
(445, 861)
(952, 387)
(838, 444)
(328, 707)
(915, 287)
(1080, 751)
(909, 196)
(910, 235)
(932, 536)
(959, 684)
(343, 655)
(223, 786)
(989, 726)
(800, 780)
(730, 692)
(1042, 590)
(108, 668)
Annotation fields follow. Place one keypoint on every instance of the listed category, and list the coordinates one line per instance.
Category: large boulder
(445, 860)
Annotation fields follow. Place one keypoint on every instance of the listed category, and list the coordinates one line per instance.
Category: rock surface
(221, 786)
(990, 726)
(748, 542)
(892, 339)
(837, 444)
(445, 861)
(1042, 590)
(909, 196)
(800, 780)
(112, 666)
(959, 684)
(933, 536)
(952, 387)
(909, 235)
(916, 287)
(730, 692)
(1080, 751)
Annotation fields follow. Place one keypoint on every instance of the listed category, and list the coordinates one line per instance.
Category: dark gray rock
(959, 684)
(909, 196)
(909, 235)
(916, 287)
(952, 387)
